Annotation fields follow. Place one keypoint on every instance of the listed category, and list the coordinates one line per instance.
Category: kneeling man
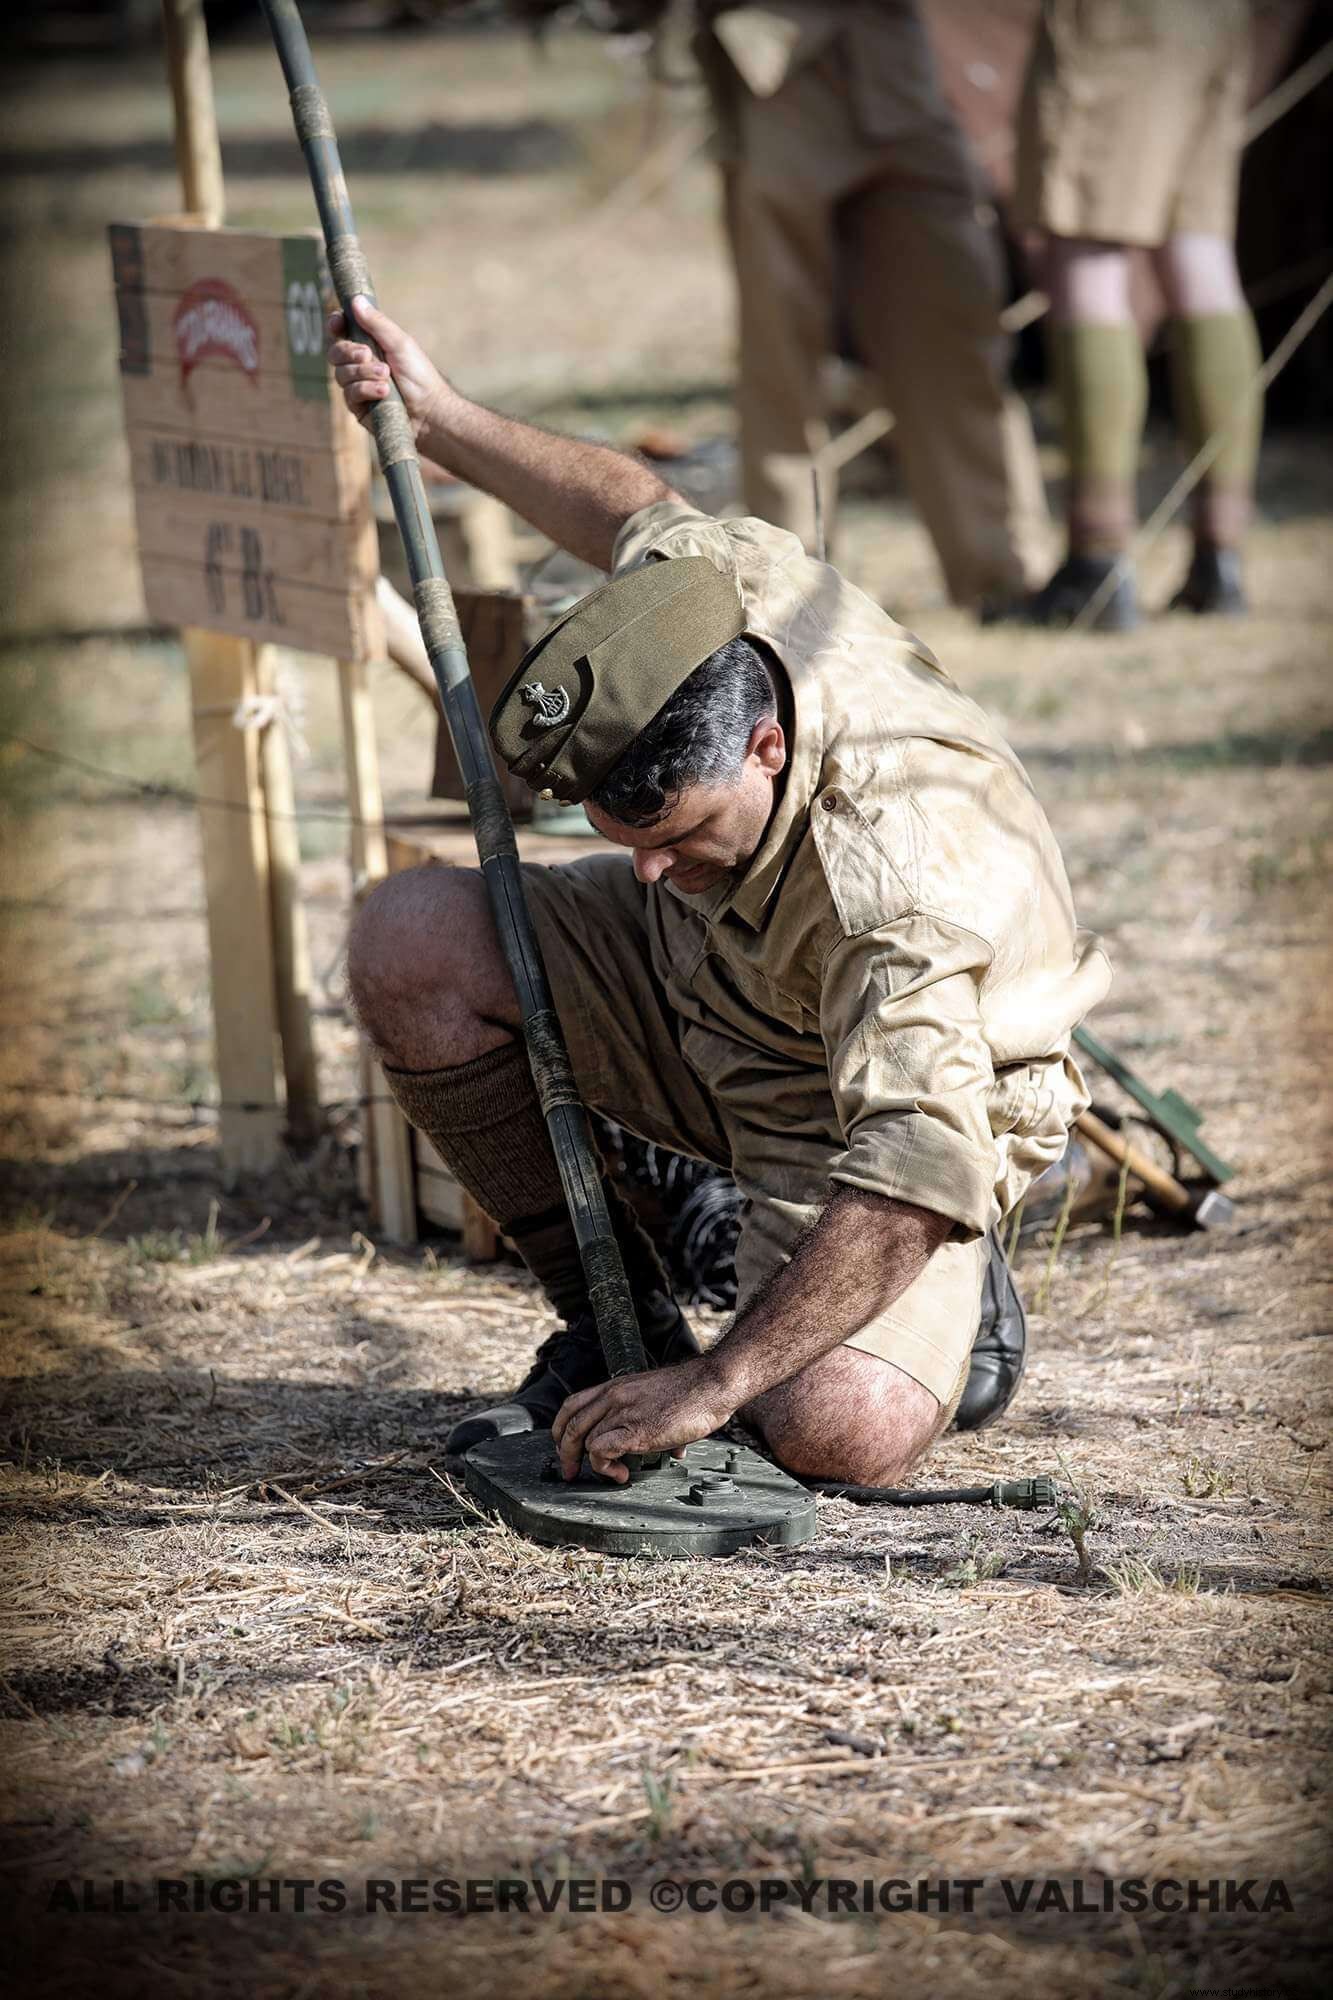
(833, 951)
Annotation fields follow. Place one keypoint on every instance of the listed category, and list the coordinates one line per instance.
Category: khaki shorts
(767, 1119)
(1130, 124)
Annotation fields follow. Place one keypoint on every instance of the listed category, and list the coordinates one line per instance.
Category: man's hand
(364, 380)
(664, 1410)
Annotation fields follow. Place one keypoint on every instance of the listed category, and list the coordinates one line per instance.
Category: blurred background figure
(1130, 133)
(846, 179)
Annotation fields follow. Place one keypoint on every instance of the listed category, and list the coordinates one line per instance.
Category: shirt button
(829, 802)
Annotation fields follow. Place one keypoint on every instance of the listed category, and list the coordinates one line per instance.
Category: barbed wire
(334, 1107)
(168, 789)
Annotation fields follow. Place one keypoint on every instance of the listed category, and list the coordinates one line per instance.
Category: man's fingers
(606, 1452)
(353, 354)
(362, 395)
(351, 380)
(347, 372)
(383, 330)
(581, 1399)
(576, 1417)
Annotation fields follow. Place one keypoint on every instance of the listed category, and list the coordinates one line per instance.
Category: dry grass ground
(250, 1633)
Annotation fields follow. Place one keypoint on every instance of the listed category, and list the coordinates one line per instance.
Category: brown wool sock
(485, 1121)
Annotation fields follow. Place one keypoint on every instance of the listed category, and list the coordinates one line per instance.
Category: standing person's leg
(924, 284)
(1101, 385)
(1215, 352)
(1128, 131)
(778, 195)
(925, 291)
(784, 286)
(1215, 356)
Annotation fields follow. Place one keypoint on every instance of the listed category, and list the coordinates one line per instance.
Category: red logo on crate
(213, 319)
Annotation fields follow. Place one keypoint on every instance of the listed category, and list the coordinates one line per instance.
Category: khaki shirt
(906, 924)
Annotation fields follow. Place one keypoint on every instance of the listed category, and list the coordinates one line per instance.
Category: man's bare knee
(848, 1416)
(426, 973)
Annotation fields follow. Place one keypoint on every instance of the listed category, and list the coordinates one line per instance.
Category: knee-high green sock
(1214, 360)
(1101, 381)
(485, 1121)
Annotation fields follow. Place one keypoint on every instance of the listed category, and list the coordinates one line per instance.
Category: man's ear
(769, 745)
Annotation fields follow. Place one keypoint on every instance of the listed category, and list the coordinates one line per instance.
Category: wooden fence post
(236, 890)
(198, 155)
(291, 944)
(389, 1181)
(259, 972)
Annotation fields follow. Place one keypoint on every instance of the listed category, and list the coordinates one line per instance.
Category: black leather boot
(1212, 585)
(570, 1359)
(1059, 602)
(999, 1350)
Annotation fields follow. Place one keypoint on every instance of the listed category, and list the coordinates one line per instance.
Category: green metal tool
(1167, 1111)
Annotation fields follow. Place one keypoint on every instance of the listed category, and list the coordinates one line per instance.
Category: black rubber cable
(1026, 1495)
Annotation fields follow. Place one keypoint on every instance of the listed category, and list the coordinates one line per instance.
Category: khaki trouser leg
(781, 243)
(925, 290)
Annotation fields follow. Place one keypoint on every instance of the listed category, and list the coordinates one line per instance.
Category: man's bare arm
(861, 1255)
(580, 494)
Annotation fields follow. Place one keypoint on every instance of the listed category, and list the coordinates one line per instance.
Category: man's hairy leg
(849, 1415)
(433, 994)
(846, 1414)
(426, 971)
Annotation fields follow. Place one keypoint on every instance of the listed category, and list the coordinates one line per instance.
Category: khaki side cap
(592, 683)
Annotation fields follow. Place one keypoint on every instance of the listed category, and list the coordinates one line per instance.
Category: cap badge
(552, 705)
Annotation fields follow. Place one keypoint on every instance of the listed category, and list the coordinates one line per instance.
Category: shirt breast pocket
(868, 888)
(748, 1003)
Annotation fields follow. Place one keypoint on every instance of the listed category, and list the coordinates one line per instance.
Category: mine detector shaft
(492, 827)
(718, 1496)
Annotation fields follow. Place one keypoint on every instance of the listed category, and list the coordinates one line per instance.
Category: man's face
(712, 830)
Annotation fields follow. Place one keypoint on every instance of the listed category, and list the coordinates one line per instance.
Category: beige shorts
(1130, 123)
(769, 1120)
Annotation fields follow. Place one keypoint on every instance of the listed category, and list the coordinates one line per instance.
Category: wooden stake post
(209, 459)
(253, 507)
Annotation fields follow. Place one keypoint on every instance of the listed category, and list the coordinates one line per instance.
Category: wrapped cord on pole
(493, 830)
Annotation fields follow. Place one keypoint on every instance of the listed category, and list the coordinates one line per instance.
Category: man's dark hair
(699, 738)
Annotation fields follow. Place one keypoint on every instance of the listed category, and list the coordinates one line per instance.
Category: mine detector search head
(719, 1497)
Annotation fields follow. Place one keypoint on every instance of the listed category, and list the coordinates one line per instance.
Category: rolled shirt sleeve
(675, 528)
(910, 1067)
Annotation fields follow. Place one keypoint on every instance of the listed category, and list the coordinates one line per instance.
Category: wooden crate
(498, 627)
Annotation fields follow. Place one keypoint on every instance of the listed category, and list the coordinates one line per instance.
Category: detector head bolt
(710, 1487)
